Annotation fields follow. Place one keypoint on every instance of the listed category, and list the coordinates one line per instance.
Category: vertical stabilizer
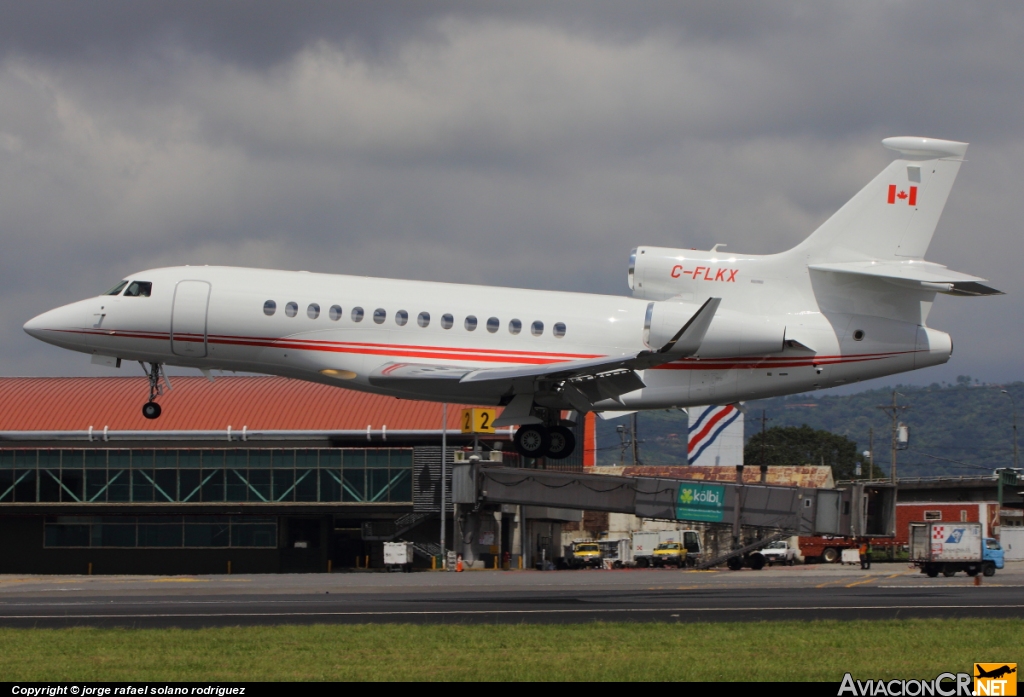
(894, 216)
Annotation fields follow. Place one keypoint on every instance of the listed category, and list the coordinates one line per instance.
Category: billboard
(715, 436)
(700, 502)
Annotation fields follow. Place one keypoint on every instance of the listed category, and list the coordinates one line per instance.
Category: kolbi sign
(700, 502)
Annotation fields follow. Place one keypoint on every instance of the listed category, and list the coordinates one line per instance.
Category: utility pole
(1014, 403)
(871, 452)
(893, 411)
(764, 465)
(636, 448)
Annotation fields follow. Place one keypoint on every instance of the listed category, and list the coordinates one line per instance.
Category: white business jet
(703, 327)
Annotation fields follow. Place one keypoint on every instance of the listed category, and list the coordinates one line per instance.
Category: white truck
(398, 556)
(644, 544)
(952, 547)
(779, 552)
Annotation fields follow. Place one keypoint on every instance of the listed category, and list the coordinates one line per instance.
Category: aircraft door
(188, 318)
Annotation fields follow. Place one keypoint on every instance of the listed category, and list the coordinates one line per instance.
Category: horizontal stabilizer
(921, 275)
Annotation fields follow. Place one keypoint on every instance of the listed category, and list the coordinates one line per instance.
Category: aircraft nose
(48, 325)
(38, 324)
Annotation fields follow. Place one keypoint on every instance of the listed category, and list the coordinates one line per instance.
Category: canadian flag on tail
(903, 195)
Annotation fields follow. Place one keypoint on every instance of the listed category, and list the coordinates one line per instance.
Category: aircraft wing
(685, 343)
(582, 383)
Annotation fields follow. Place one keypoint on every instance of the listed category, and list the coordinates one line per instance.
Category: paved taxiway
(802, 592)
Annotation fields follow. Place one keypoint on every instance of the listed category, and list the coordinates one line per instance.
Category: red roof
(196, 404)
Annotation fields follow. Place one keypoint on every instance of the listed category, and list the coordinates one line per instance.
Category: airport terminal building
(241, 475)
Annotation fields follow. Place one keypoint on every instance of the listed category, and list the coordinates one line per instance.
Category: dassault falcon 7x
(848, 303)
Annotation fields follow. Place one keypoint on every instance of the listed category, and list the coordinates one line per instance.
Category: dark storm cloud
(511, 143)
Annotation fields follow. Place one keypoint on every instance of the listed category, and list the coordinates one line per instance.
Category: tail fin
(893, 217)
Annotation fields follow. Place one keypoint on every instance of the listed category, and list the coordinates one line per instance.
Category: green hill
(963, 428)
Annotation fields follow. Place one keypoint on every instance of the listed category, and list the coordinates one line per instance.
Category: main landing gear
(152, 410)
(535, 440)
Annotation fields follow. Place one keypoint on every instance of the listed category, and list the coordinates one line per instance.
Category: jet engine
(731, 333)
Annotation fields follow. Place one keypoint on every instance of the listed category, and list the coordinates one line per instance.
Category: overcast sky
(521, 144)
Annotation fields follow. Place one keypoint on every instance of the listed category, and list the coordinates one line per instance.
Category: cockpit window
(116, 290)
(139, 289)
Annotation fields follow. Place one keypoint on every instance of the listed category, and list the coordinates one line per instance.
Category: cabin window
(424, 319)
(116, 290)
(492, 324)
(379, 315)
(335, 312)
(515, 326)
(357, 314)
(447, 321)
(401, 317)
(313, 311)
(291, 309)
(470, 323)
(559, 329)
(269, 308)
(139, 289)
(858, 335)
(537, 328)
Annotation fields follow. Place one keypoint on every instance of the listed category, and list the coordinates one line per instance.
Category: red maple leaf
(901, 195)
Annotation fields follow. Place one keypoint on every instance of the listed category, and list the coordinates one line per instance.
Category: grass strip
(821, 650)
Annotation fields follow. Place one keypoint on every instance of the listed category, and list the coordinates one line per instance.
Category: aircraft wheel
(532, 441)
(151, 410)
(735, 563)
(563, 443)
(756, 561)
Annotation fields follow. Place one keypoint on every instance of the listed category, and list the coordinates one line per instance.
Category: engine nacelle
(659, 273)
(730, 334)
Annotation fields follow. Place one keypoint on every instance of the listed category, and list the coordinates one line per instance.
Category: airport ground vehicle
(645, 543)
(586, 554)
(953, 547)
(618, 553)
(398, 556)
(829, 549)
(779, 552)
(669, 554)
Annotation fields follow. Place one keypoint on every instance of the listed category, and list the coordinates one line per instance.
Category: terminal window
(160, 531)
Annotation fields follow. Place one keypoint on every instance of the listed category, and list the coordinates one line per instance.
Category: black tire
(756, 561)
(989, 569)
(931, 571)
(151, 410)
(829, 555)
(562, 443)
(532, 441)
(735, 563)
(949, 571)
(972, 570)
(643, 563)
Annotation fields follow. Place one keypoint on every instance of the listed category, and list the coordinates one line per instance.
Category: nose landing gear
(152, 410)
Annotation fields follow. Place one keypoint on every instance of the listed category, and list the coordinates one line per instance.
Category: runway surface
(663, 595)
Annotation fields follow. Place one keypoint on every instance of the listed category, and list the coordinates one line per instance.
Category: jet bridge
(797, 510)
